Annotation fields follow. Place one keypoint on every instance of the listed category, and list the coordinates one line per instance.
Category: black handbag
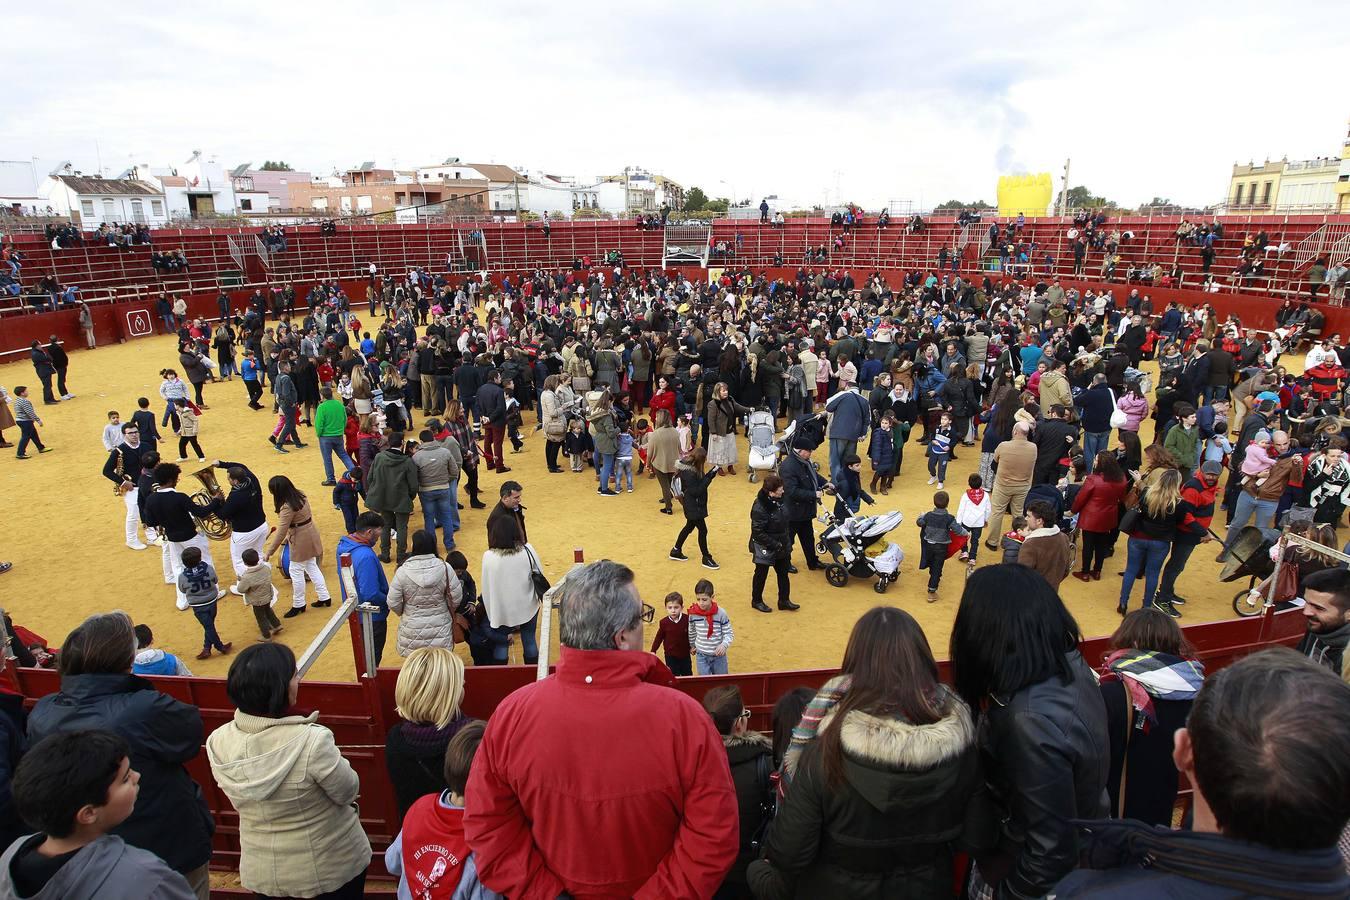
(541, 584)
(1129, 520)
(763, 556)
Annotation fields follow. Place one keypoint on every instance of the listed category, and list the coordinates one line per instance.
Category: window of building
(157, 208)
(246, 203)
(1237, 196)
(363, 203)
(319, 203)
(87, 209)
(137, 211)
(109, 210)
(1265, 194)
(1251, 193)
(346, 204)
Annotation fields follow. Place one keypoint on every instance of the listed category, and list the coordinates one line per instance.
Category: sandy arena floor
(62, 519)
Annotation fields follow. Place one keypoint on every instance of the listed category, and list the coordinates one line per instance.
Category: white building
(94, 200)
(258, 190)
(198, 188)
(19, 186)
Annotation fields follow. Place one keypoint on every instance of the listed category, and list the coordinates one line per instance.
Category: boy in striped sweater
(709, 631)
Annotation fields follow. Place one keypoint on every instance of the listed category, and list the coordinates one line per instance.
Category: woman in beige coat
(663, 452)
(295, 525)
(299, 831)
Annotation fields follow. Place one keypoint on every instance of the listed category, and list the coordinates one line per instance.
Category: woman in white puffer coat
(425, 594)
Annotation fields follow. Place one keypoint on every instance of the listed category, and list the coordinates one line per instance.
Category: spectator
(545, 818)
(508, 506)
(98, 691)
(1045, 547)
(390, 489)
(151, 660)
(372, 586)
(299, 829)
(424, 595)
(75, 789)
(885, 777)
(770, 544)
(13, 740)
(1044, 729)
(1263, 749)
(296, 529)
(1326, 596)
(427, 696)
(750, 755)
(1161, 513)
(509, 597)
(430, 850)
(1150, 677)
(1015, 460)
(787, 713)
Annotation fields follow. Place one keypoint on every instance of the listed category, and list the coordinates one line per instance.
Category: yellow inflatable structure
(1029, 194)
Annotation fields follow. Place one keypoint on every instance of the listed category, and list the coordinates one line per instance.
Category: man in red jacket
(602, 780)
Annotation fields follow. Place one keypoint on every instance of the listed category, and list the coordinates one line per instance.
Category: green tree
(1080, 197)
(961, 204)
(718, 206)
(695, 199)
(277, 166)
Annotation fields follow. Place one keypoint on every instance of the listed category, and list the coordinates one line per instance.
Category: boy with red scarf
(430, 856)
(710, 632)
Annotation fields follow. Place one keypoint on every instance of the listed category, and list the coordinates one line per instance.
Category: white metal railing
(264, 254)
(237, 251)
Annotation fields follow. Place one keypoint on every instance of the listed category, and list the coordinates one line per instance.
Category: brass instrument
(213, 526)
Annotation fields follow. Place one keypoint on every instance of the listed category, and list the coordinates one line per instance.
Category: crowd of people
(883, 776)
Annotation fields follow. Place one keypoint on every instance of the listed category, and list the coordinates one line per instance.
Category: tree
(1080, 197)
(718, 206)
(961, 204)
(695, 199)
(277, 166)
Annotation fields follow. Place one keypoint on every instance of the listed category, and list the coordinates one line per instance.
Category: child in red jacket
(673, 632)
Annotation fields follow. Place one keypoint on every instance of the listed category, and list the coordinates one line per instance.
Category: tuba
(212, 525)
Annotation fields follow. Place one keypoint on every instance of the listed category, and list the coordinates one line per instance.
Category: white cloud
(921, 104)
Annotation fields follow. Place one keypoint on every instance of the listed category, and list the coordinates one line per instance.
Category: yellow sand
(64, 535)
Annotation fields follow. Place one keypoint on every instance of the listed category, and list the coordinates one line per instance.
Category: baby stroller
(857, 549)
(764, 450)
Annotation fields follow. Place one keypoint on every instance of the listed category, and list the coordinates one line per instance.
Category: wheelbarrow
(1249, 558)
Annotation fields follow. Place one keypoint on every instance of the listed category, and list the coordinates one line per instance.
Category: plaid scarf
(805, 731)
(1148, 675)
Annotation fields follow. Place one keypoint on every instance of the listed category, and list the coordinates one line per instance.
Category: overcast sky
(879, 100)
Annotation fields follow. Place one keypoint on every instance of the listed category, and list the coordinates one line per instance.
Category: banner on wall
(715, 275)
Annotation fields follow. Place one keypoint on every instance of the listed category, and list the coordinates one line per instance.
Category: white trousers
(300, 568)
(133, 516)
(175, 551)
(249, 540)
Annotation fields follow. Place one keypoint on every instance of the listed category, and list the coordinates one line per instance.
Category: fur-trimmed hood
(893, 764)
(894, 743)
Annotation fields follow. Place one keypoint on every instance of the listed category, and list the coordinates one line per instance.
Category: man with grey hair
(602, 779)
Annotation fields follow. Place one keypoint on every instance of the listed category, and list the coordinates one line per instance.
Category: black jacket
(1051, 445)
(414, 755)
(801, 482)
(695, 487)
(912, 797)
(1129, 861)
(1151, 780)
(1046, 752)
(243, 509)
(959, 395)
(13, 743)
(751, 759)
(491, 401)
(170, 819)
(769, 525)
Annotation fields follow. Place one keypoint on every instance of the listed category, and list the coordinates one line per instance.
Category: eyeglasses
(648, 613)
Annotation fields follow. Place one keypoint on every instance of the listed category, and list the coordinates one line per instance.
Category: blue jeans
(1094, 442)
(623, 468)
(1213, 392)
(27, 433)
(436, 506)
(500, 638)
(839, 448)
(708, 664)
(206, 615)
(329, 445)
(1248, 509)
(606, 469)
(1148, 556)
